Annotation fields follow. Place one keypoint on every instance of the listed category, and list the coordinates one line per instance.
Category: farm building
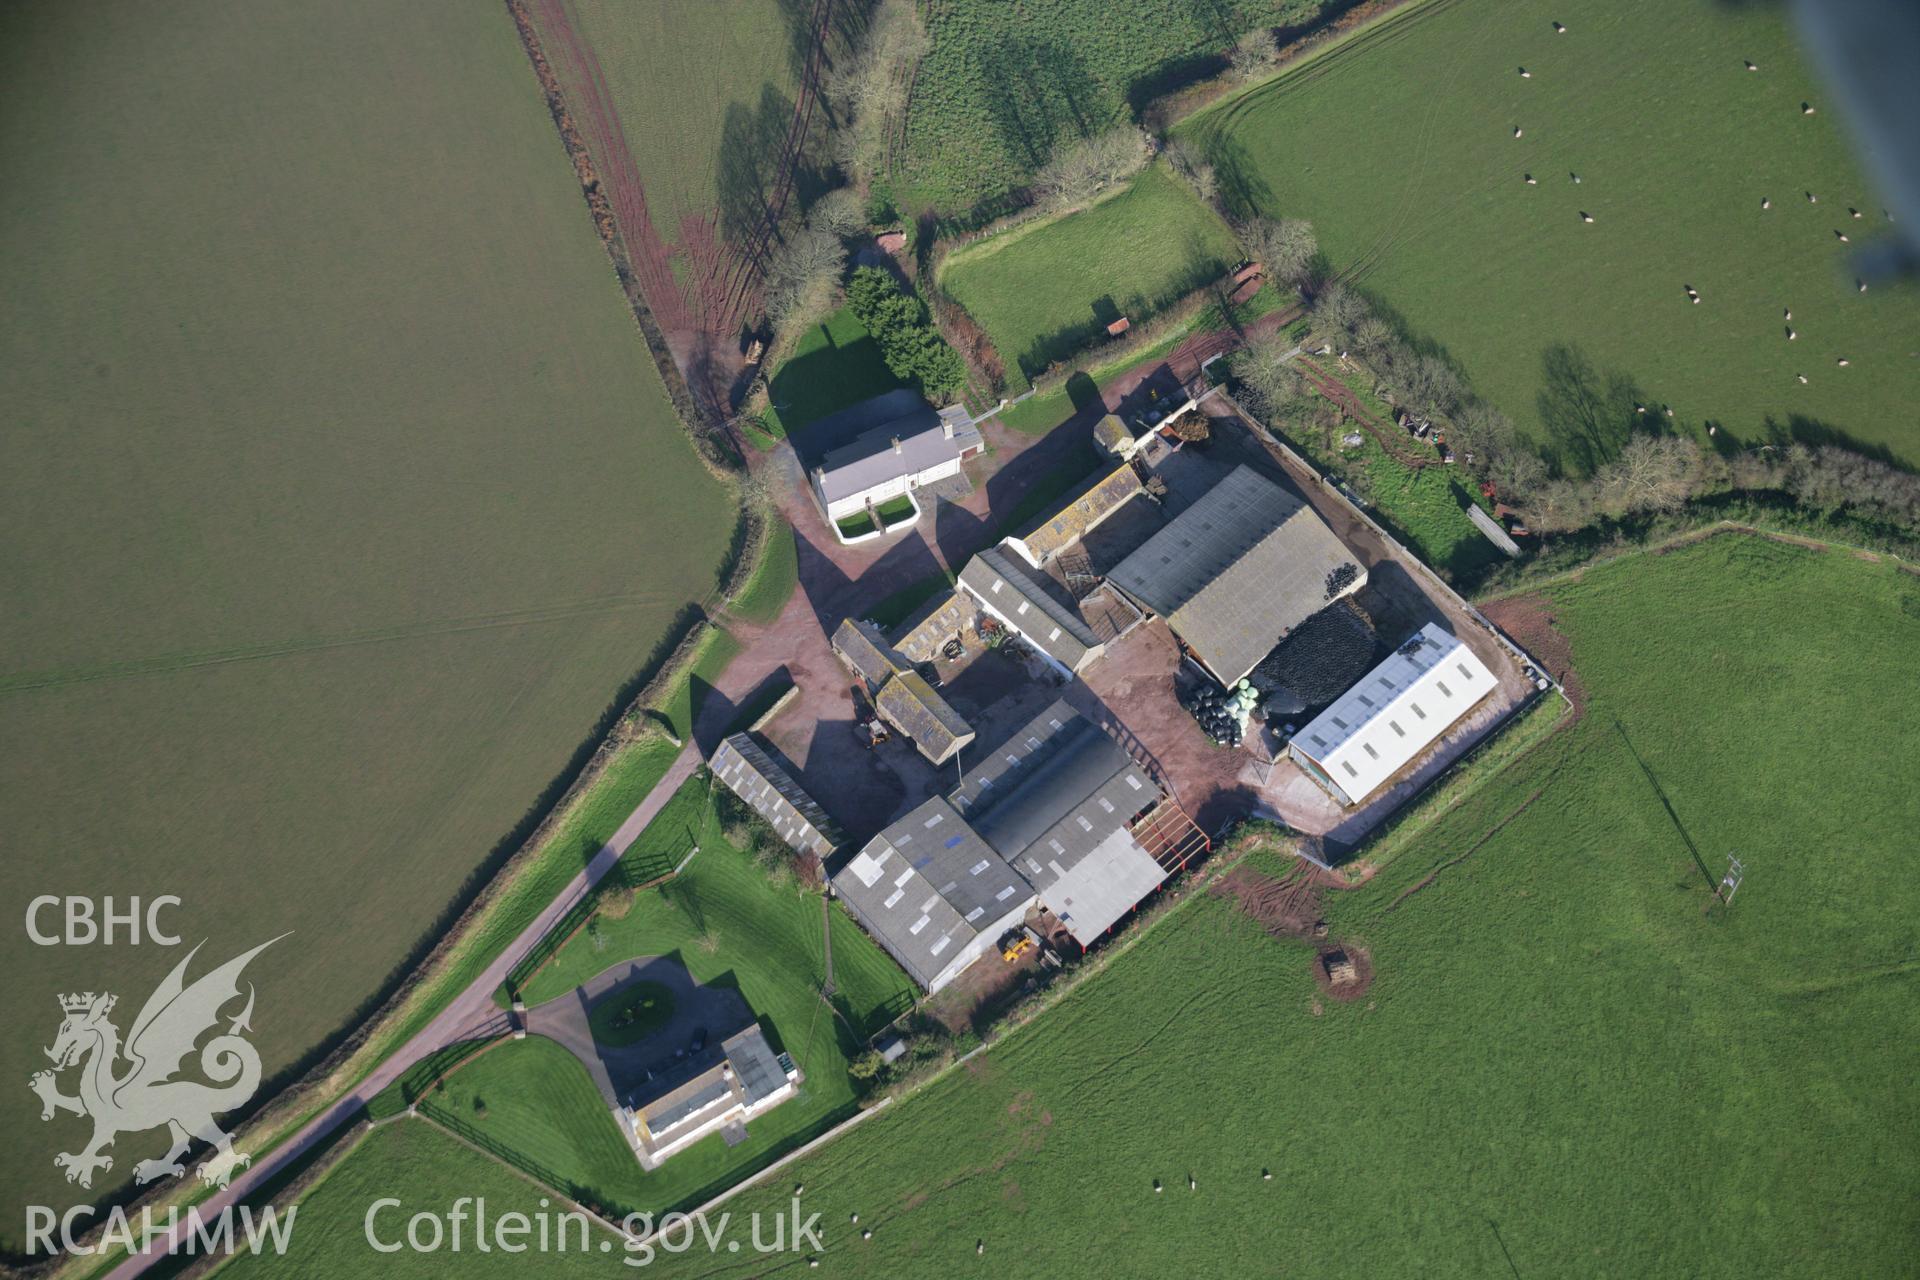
(1035, 607)
(1398, 710)
(901, 695)
(1100, 497)
(928, 629)
(1238, 570)
(1058, 815)
(770, 791)
(933, 893)
(897, 443)
(748, 1079)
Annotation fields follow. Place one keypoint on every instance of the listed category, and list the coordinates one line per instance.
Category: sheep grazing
(1266, 1175)
(1529, 180)
(1193, 1183)
(1802, 377)
(1766, 202)
(1157, 1188)
(1574, 176)
(1585, 216)
(1669, 409)
(1791, 335)
(1806, 108)
(1841, 236)
(1812, 198)
(1843, 362)
(1788, 314)
(1750, 65)
(1854, 212)
(1517, 131)
(1559, 30)
(1525, 74)
(1712, 430)
(1696, 299)
(1861, 285)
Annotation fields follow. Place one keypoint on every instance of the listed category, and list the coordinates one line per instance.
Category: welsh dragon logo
(145, 1093)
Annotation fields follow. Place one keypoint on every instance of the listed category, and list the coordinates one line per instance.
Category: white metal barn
(1375, 729)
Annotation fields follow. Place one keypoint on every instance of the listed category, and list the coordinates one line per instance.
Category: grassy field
(1399, 146)
(774, 579)
(327, 458)
(835, 365)
(1044, 290)
(705, 93)
(1562, 1056)
(1003, 83)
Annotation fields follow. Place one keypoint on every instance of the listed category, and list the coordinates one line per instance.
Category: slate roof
(773, 793)
(1236, 571)
(863, 648)
(910, 704)
(1101, 496)
(927, 886)
(1036, 606)
(929, 627)
(869, 457)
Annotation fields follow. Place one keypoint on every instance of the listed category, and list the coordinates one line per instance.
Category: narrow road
(471, 1014)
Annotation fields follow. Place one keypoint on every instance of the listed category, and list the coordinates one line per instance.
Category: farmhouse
(1237, 570)
(894, 443)
(1059, 815)
(1398, 710)
(901, 695)
(771, 792)
(749, 1079)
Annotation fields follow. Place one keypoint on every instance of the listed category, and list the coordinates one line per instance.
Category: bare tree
(1253, 53)
(1191, 165)
(803, 277)
(870, 90)
(839, 212)
(1082, 168)
(1263, 367)
(1652, 473)
(1286, 246)
(1338, 307)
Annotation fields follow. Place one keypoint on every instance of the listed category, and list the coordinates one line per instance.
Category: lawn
(1002, 84)
(1399, 146)
(327, 455)
(636, 1013)
(774, 578)
(1044, 290)
(836, 364)
(1563, 1059)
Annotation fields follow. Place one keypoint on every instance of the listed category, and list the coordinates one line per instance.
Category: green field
(335, 474)
(834, 365)
(705, 93)
(1047, 289)
(1003, 83)
(1399, 146)
(1559, 1042)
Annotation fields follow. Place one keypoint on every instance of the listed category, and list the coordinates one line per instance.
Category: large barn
(1398, 710)
(1238, 570)
(1058, 815)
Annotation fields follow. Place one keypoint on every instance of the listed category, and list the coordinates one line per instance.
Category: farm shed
(901, 694)
(748, 1079)
(1058, 800)
(1036, 608)
(770, 791)
(1237, 570)
(907, 445)
(1097, 498)
(909, 704)
(925, 632)
(1052, 815)
(933, 893)
(1398, 710)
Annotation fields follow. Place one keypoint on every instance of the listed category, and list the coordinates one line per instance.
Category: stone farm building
(1238, 570)
(747, 1080)
(1403, 706)
(770, 791)
(901, 695)
(1058, 816)
(894, 443)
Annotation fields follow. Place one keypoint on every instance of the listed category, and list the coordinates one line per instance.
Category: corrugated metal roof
(1032, 604)
(1103, 886)
(927, 886)
(1236, 571)
(1398, 709)
(770, 791)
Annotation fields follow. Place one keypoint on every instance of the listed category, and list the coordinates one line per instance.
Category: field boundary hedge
(704, 429)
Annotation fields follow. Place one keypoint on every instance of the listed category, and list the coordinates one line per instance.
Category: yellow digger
(1015, 944)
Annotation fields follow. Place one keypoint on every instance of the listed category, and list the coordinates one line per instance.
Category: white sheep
(1855, 212)
(1861, 284)
(1750, 65)
(1842, 236)
(1806, 108)
(1843, 362)
(1812, 198)
(1517, 131)
(1766, 202)
(1559, 30)
(1530, 180)
(1585, 216)
(1802, 377)
(1788, 314)
(1791, 335)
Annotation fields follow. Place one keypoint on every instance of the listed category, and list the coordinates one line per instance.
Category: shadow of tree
(1047, 92)
(1588, 415)
(746, 171)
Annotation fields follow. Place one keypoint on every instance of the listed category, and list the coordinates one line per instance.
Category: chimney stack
(896, 444)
